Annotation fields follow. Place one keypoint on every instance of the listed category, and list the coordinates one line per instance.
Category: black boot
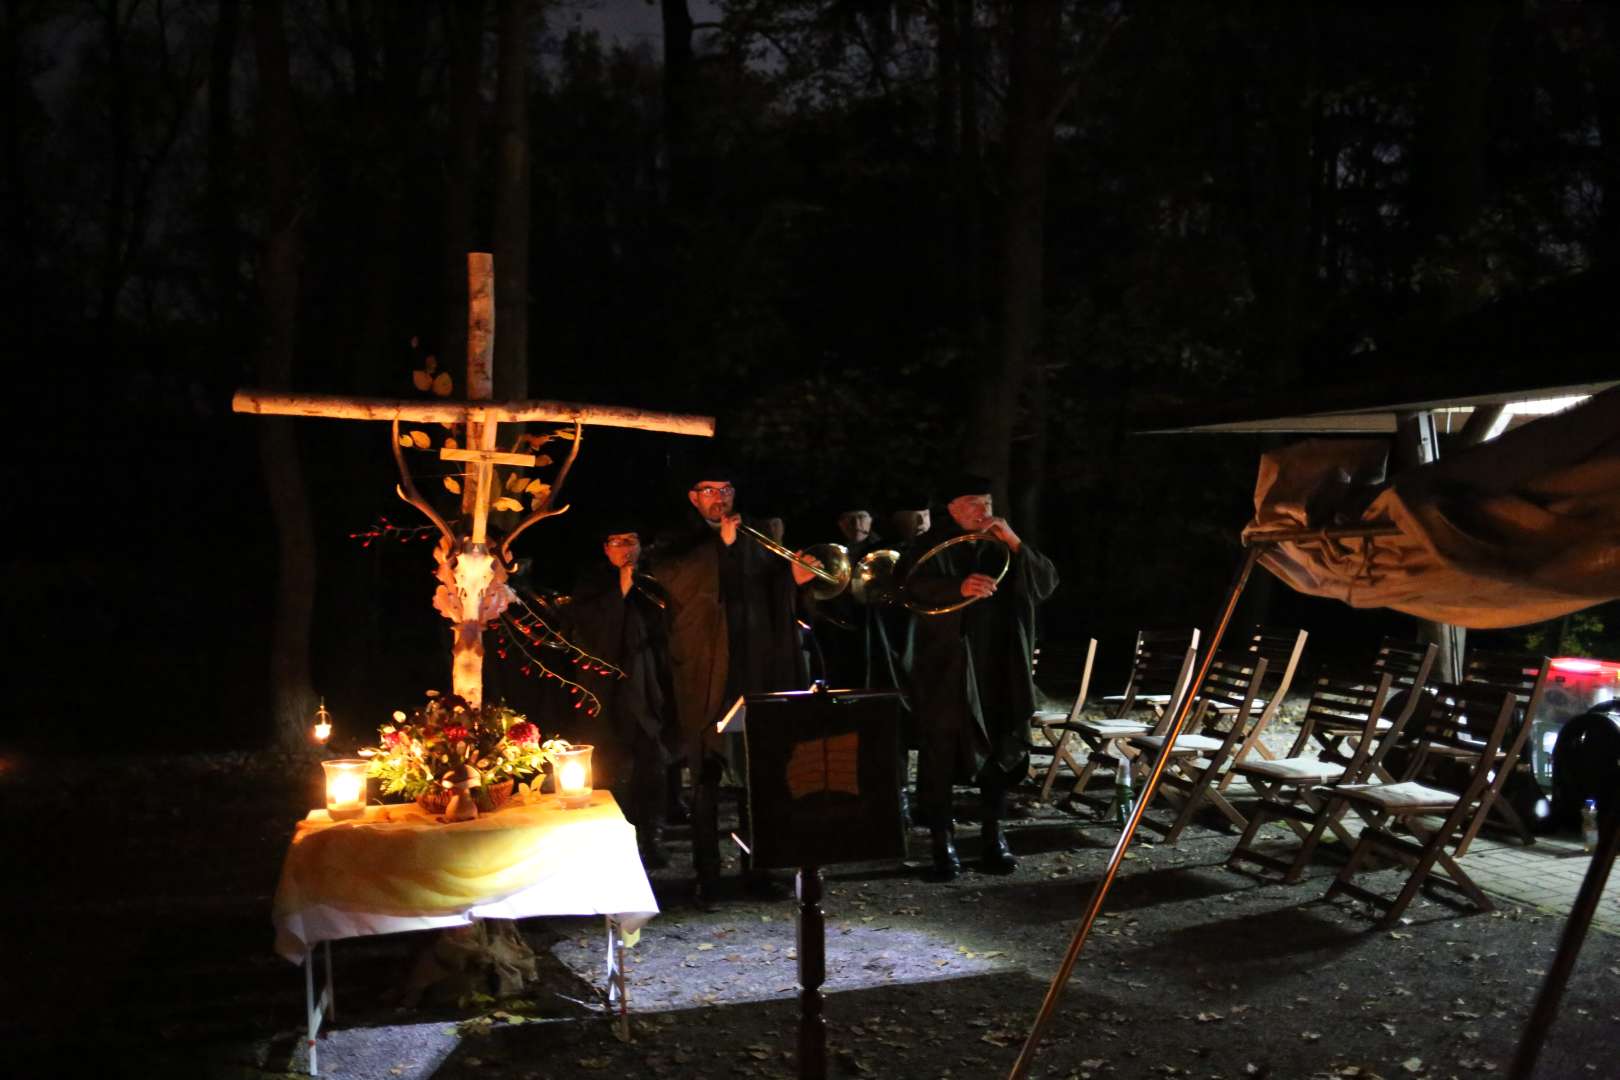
(994, 855)
(946, 863)
(705, 894)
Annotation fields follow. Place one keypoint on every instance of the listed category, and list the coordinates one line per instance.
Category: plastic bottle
(1589, 825)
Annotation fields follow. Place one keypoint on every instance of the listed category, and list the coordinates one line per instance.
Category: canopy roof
(1517, 530)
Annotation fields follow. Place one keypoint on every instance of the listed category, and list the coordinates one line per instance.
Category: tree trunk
(464, 25)
(1606, 90)
(392, 110)
(19, 274)
(511, 238)
(292, 697)
(1451, 165)
(969, 177)
(1275, 181)
(119, 152)
(1032, 68)
(223, 250)
(679, 87)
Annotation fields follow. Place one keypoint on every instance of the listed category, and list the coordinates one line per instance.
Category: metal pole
(812, 973)
(1569, 947)
(1026, 1056)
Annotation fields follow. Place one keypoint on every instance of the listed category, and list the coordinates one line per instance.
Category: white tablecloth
(398, 869)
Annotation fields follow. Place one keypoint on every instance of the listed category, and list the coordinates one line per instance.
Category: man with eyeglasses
(618, 615)
(733, 631)
(972, 687)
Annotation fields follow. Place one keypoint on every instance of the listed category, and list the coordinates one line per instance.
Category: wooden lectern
(824, 776)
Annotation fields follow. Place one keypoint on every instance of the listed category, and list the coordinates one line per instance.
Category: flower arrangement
(417, 752)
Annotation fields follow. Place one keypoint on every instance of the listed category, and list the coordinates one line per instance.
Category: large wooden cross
(473, 589)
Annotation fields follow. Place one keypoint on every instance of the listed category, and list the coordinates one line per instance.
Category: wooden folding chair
(1409, 664)
(1473, 718)
(1221, 719)
(1525, 676)
(1160, 673)
(1053, 730)
(1285, 784)
(1281, 648)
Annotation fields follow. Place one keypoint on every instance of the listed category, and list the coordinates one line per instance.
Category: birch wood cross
(473, 586)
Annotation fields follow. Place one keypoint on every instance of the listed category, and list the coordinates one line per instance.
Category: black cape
(733, 627)
(626, 630)
(972, 684)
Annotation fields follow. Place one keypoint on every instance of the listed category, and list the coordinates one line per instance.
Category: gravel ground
(140, 944)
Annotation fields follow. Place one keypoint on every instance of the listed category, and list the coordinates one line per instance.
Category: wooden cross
(479, 576)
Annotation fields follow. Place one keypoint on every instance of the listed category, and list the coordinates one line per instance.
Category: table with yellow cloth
(398, 869)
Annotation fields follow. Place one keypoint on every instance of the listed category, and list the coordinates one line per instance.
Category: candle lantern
(571, 769)
(323, 724)
(345, 787)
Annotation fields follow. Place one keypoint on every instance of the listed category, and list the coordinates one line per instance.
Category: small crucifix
(472, 571)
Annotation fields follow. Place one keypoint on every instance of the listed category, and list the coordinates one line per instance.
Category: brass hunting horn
(950, 542)
(833, 572)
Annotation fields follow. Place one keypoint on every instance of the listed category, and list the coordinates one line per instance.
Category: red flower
(395, 740)
(524, 734)
(455, 733)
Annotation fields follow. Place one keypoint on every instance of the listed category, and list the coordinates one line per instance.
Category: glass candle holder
(571, 769)
(345, 787)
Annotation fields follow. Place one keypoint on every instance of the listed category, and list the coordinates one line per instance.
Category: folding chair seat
(1053, 733)
(1465, 716)
(1160, 672)
(1285, 784)
(1209, 743)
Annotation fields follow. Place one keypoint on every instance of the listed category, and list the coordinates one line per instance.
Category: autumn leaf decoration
(520, 492)
(429, 378)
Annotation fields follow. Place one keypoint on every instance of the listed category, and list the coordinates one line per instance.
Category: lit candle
(345, 787)
(323, 724)
(573, 772)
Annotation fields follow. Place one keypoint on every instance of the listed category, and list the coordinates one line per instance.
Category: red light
(1575, 665)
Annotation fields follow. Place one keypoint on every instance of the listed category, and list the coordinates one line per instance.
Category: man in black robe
(733, 631)
(972, 687)
(853, 639)
(619, 616)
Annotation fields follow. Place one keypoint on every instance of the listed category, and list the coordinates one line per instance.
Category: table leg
(618, 992)
(331, 991)
(315, 1009)
(812, 973)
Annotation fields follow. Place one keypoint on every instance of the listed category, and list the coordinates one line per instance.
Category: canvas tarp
(1513, 531)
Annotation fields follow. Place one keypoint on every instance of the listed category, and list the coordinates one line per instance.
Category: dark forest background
(877, 240)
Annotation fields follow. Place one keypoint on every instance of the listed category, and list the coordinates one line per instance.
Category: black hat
(709, 465)
(909, 498)
(612, 522)
(964, 483)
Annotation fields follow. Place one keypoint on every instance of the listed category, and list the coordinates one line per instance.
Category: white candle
(345, 790)
(345, 787)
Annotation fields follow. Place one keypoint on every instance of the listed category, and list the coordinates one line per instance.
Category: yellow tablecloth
(399, 869)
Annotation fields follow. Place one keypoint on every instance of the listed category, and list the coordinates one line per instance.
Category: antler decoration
(544, 510)
(406, 490)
